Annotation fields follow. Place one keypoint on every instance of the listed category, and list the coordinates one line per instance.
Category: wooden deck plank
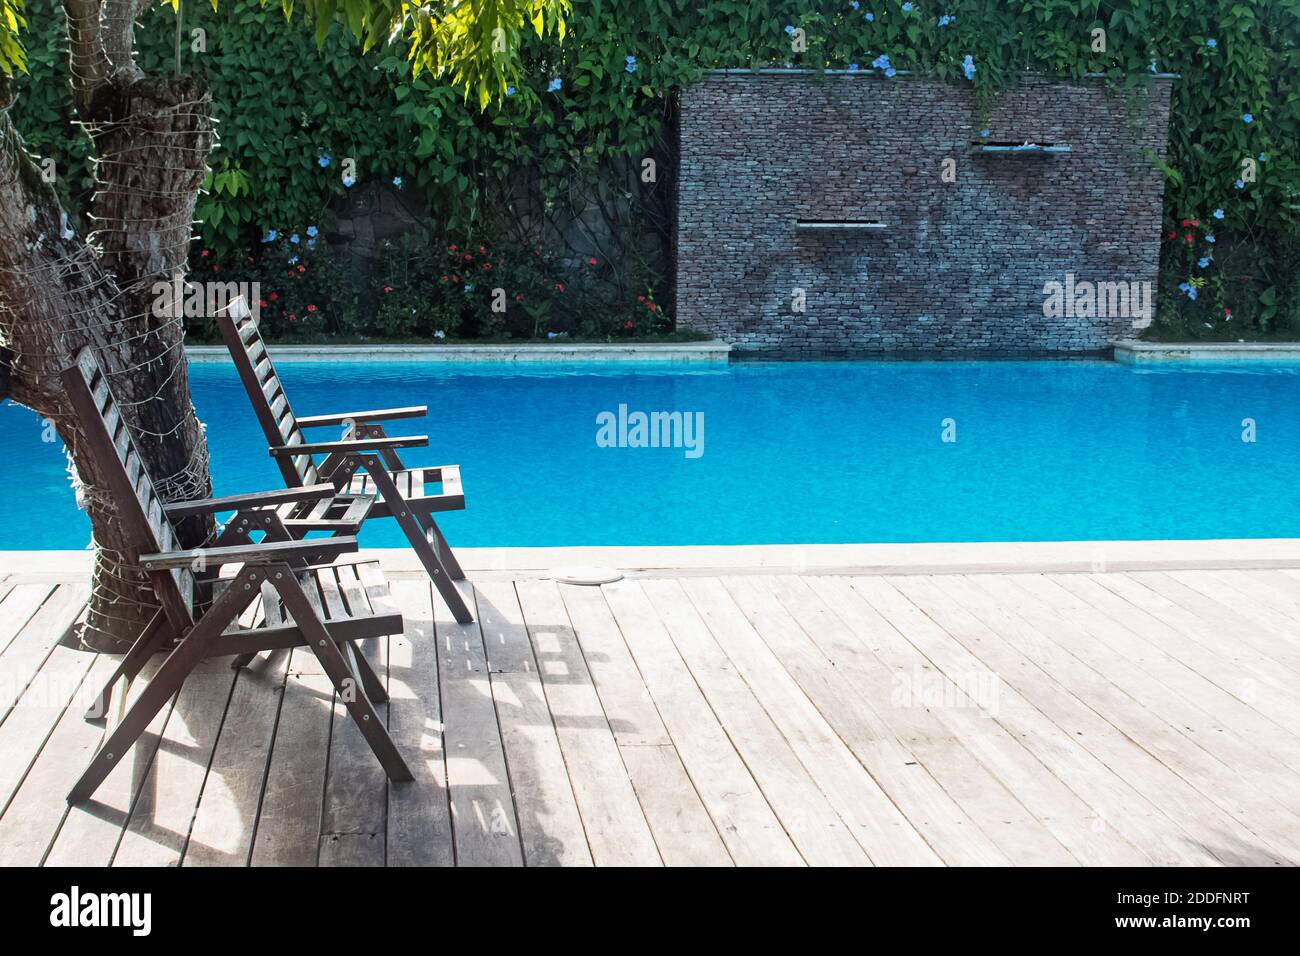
(1157, 624)
(289, 820)
(1108, 770)
(615, 824)
(682, 828)
(1208, 799)
(550, 825)
(32, 819)
(419, 813)
(91, 831)
(919, 734)
(356, 787)
(484, 824)
(17, 608)
(813, 822)
(43, 630)
(224, 822)
(1211, 600)
(1076, 769)
(1143, 669)
(961, 709)
(891, 765)
(163, 812)
(744, 819)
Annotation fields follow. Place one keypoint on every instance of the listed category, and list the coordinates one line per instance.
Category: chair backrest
(257, 372)
(147, 527)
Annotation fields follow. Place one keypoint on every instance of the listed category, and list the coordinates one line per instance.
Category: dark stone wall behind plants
(960, 266)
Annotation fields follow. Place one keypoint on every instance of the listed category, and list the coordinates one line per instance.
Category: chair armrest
(259, 499)
(264, 552)
(359, 445)
(361, 418)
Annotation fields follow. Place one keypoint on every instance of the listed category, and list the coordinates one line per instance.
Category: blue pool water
(831, 452)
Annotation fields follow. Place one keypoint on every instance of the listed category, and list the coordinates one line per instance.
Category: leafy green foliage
(569, 129)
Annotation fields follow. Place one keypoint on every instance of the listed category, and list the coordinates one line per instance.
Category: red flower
(1186, 222)
(627, 324)
(204, 253)
(560, 286)
(640, 298)
(311, 308)
(451, 248)
(1196, 222)
(1228, 313)
(468, 257)
(1171, 234)
(293, 318)
(455, 278)
(519, 297)
(250, 258)
(389, 288)
(273, 296)
(591, 262)
(302, 268)
(481, 249)
(487, 267)
(650, 306)
(1188, 237)
(261, 303)
(216, 268)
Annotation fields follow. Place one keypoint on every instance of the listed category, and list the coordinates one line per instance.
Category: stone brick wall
(960, 266)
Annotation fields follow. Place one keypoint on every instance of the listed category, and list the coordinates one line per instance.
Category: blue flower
(271, 236)
(1217, 214)
(510, 91)
(871, 18)
(1239, 184)
(881, 62)
(984, 134)
(469, 287)
(1212, 43)
(294, 239)
(907, 8)
(1247, 118)
(323, 161)
(312, 232)
(631, 64)
(1203, 262)
(1263, 156)
(554, 85)
(853, 68)
(789, 30)
(1210, 239)
(945, 20)
(1184, 287)
(293, 261)
(890, 71)
(348, 182)
(1191, 294)
(1153, 66)
(397, 181)
(968, 67)
(855, 4)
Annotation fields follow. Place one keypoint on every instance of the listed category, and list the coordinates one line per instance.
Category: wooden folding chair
(267, 598)
(364, 462)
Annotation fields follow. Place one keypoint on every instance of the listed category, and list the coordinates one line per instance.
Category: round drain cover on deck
(587, 576)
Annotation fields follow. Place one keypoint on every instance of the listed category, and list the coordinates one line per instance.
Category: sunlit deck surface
(702, 716)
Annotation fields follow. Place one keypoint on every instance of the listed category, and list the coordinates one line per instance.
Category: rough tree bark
(59, 292)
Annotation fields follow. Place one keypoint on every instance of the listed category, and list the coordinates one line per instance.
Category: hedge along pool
(834, 452)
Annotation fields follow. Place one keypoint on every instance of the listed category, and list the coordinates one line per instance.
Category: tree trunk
(59, 292)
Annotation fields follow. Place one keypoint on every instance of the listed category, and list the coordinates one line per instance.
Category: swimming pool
(833, 452)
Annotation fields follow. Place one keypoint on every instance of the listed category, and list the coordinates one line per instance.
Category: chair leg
(370, 682)
(166, 682)
(440, 545)
(433, 563)
(331, 659)
(150, 639)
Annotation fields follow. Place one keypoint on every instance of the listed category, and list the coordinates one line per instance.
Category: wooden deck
(1147, 717)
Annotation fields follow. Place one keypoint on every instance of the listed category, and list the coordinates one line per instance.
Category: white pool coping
(1133, 353)
(530, 352)
(940, 558)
